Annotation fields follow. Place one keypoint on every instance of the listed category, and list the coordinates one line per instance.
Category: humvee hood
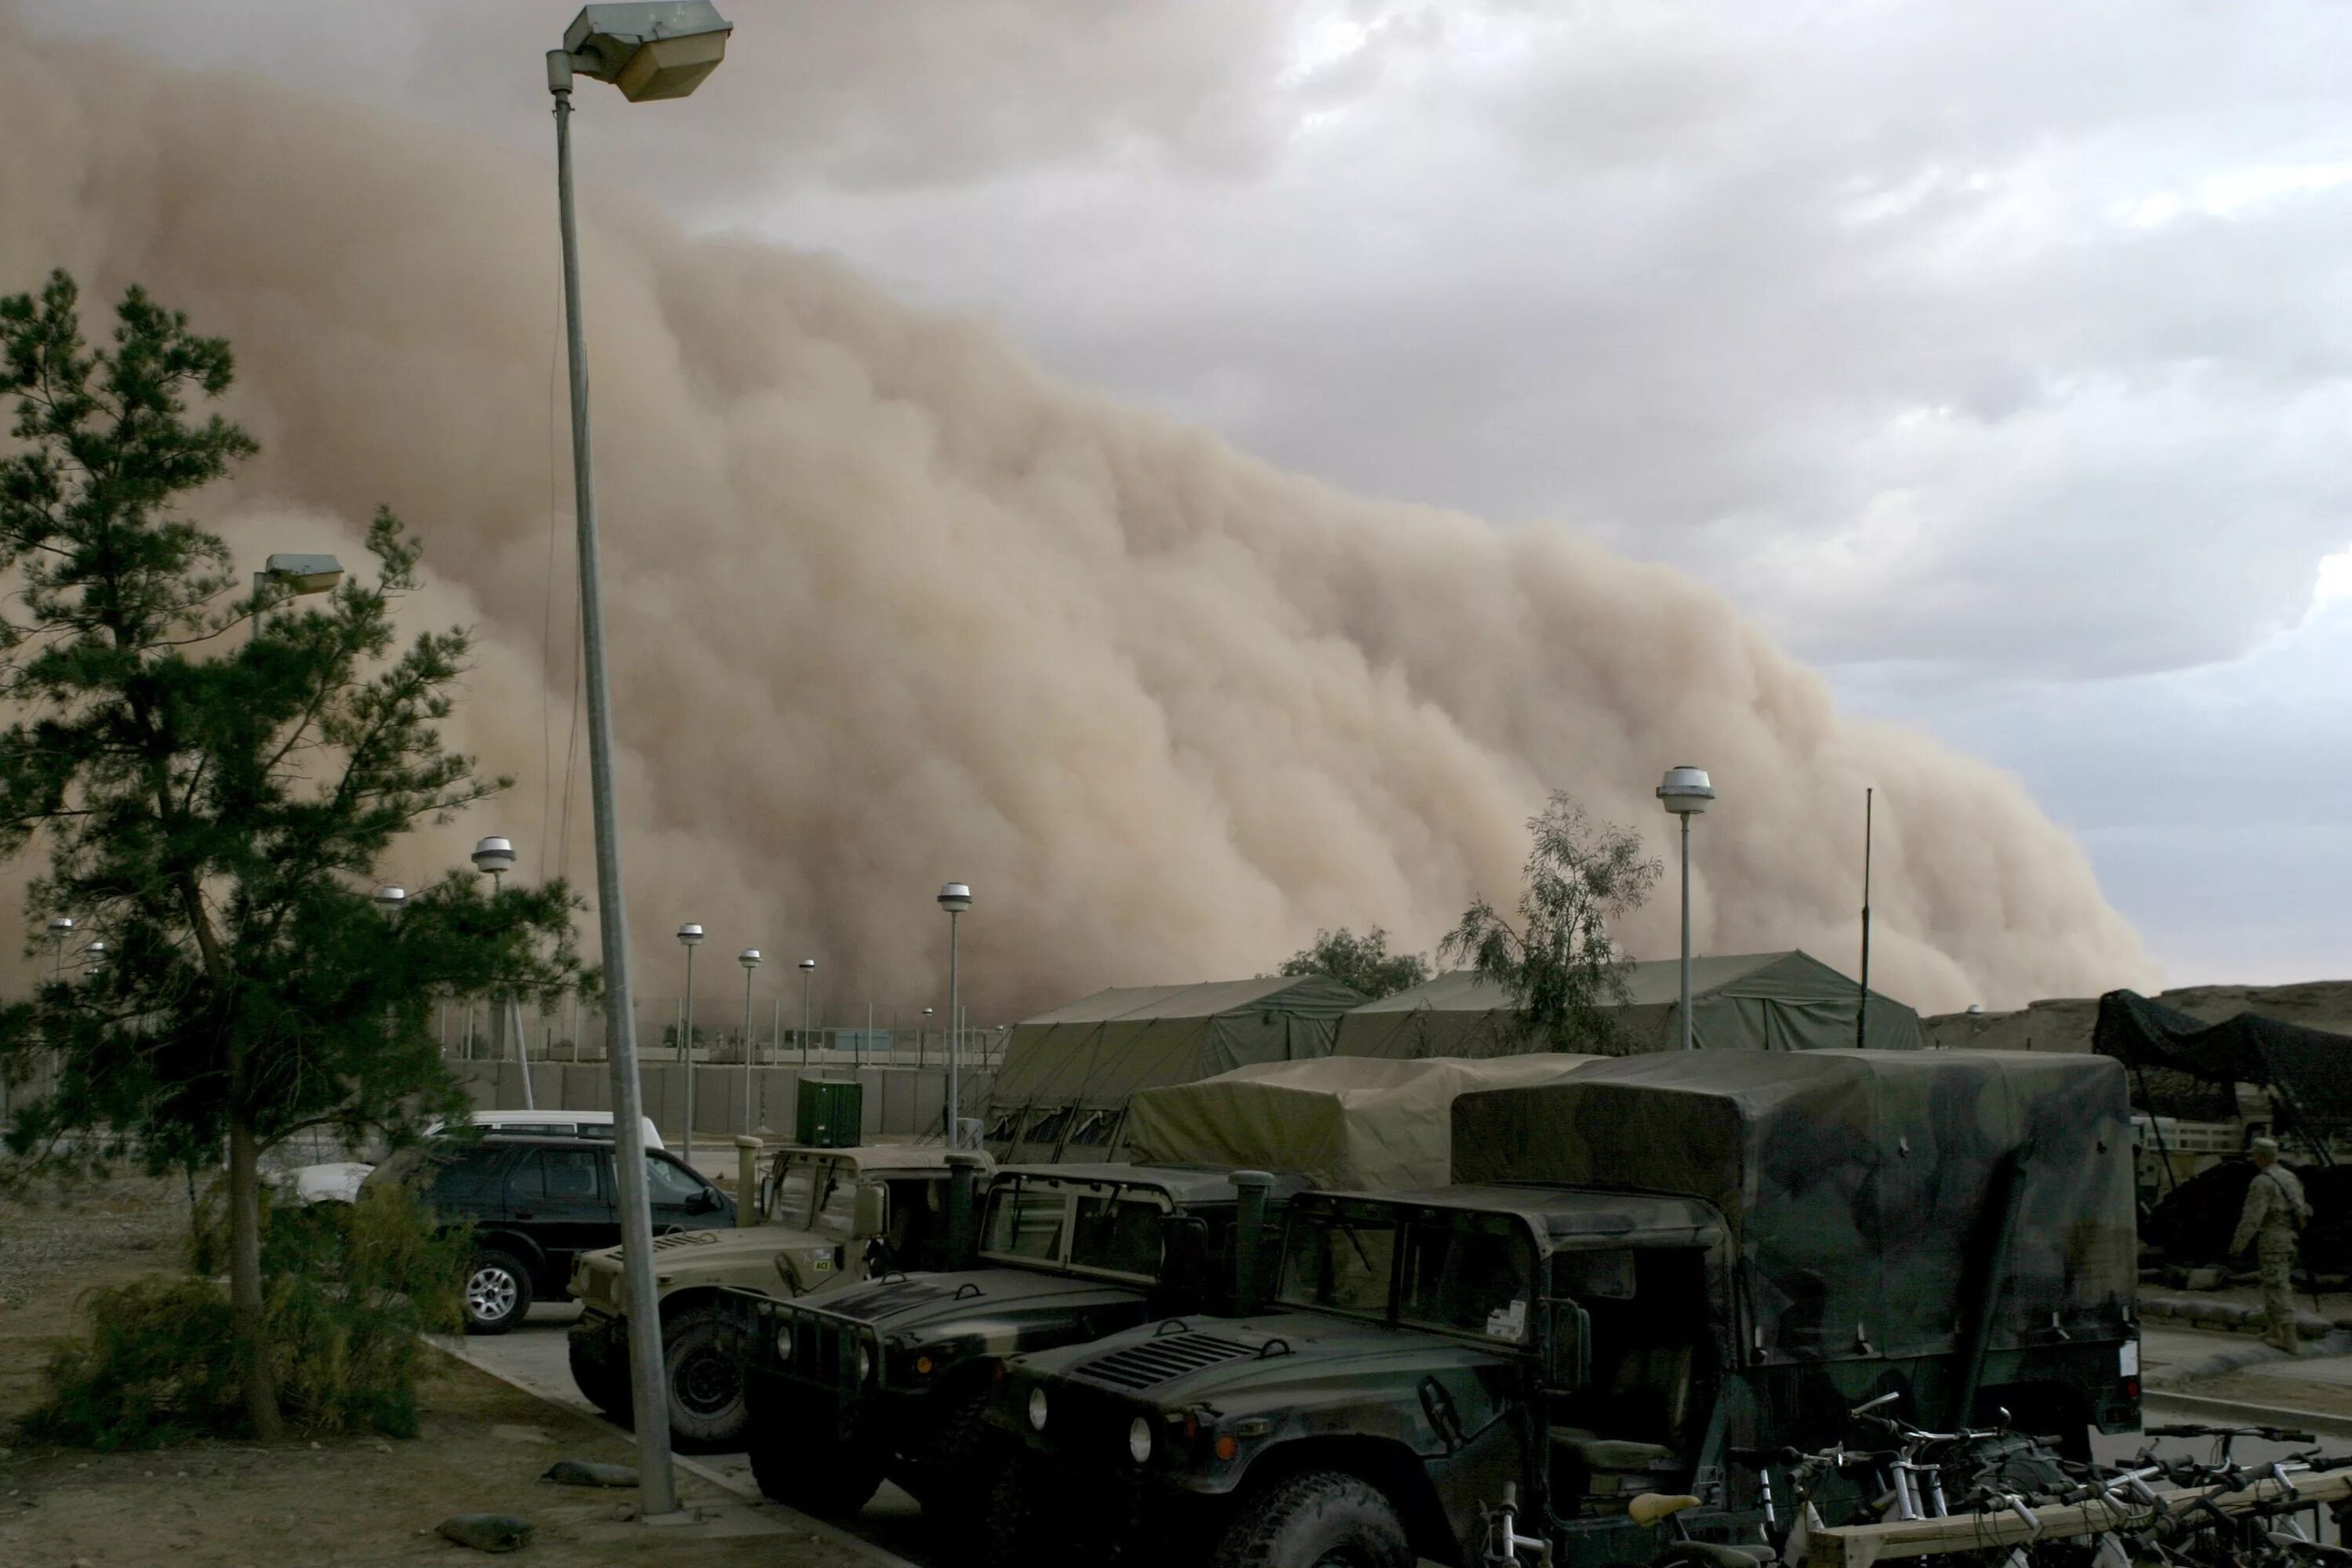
(1182, 1360)
(914, 1303)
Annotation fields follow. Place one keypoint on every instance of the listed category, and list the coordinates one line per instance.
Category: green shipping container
(831, 1113)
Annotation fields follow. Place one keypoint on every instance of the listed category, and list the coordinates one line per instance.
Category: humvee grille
(1140, 1366)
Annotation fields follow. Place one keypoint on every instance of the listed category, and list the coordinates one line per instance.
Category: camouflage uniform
(2274, 1212)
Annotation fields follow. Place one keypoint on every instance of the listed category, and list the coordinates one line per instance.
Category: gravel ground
(54, 1235)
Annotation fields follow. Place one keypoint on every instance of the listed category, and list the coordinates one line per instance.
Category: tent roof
(1652, 982)
(1202, 999)
(2309, 1066)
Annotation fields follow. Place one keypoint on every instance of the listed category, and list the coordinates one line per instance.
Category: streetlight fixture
(920, 1033)
(1686, 792)
(808, 976)
(391, 898)
(955, 897)
(60, 928)
(648, 51)
(494, 857)
(750, 959)
(297, 575)
(94, 956)
(689, 937)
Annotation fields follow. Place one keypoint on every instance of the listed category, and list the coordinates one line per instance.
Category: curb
(2245, 1413)
(846, 1539)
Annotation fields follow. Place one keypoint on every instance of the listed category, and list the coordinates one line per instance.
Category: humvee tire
(827, 1479)
(1323, 1518)
(497, 1293)
(604, 1385)
(702, 1373)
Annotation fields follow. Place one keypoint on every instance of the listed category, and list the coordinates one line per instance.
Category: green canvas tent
(1756, 1001)
(1064, 1087)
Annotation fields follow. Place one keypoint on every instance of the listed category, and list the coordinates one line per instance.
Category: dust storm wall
(891, 605)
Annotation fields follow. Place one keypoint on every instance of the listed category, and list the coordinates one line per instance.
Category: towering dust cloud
(889, 606)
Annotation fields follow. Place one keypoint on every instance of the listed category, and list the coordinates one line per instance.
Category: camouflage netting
(2186, 1067)
(1856, 1182)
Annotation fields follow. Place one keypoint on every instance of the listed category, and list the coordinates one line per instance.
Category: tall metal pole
(656, 1485)
(746, 1050)
(955, 1045)
(1685, 1009)
(686, 1050)
(1862, 1002)
(808, 979)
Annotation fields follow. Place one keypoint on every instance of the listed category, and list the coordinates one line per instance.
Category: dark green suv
(891, 1378)
(1720, 1257)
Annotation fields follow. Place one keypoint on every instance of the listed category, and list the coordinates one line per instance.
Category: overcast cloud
(1994, 355)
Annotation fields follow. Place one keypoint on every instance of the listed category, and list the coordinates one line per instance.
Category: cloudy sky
(1994, 355)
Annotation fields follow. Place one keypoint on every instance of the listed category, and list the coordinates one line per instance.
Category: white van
(339, 1182)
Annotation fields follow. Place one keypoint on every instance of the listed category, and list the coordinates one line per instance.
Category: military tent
(1340, 1122)
(1756, 1001)
(1067, 1075)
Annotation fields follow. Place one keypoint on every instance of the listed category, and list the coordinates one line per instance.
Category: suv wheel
(497, 1293)
(1323, 1519)
(957, 1466)
(702, 1363)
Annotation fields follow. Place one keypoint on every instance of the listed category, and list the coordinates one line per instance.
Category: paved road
(533, 1357)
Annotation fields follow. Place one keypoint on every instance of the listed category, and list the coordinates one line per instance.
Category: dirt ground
(338, 1503)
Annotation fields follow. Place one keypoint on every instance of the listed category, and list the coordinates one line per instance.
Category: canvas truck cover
(1349, 1122)
(1855, 1183)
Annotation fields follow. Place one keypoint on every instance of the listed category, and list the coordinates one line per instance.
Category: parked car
(830, 1217)
(536, 1204)
(338, 1181)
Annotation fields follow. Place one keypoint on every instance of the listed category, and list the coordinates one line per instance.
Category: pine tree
(212, 778)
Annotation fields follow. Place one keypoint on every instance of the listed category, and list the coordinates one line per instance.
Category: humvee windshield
(1461, 1273)
(815, 1192)
(1099, 1227)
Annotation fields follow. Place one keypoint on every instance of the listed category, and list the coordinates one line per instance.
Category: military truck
(890, 1378)
(1650, 1278)
(828, 1218)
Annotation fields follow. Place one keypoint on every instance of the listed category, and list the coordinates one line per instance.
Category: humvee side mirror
(872, 1215)
(1183, 1247)
(1572, 1345)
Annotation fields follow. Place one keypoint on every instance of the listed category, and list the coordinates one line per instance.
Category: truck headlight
(1138, 1440)
(1036, 1410)
(784, 1342)
(864, 1364)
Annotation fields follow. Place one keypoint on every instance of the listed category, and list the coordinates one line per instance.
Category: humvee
(890, 1377)
(1650, 1278)
(829, 1217)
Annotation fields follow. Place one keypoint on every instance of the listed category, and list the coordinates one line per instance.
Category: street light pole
(648, 52)
(689, 936)
(808, 977)
(750, 959)
(1685, 793)
(496, 856)
(955, 897)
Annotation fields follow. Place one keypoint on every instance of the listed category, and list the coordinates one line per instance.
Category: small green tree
(1363, 961)
(214, 790)
(1559, 966)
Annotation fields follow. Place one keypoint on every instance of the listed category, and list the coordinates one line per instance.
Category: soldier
(2276, 1212)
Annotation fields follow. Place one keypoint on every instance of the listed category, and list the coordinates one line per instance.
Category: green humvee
(891, 1378)
(829, 1219)
(1650, 1278)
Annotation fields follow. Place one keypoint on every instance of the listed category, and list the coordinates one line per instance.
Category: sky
(1993, 357)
